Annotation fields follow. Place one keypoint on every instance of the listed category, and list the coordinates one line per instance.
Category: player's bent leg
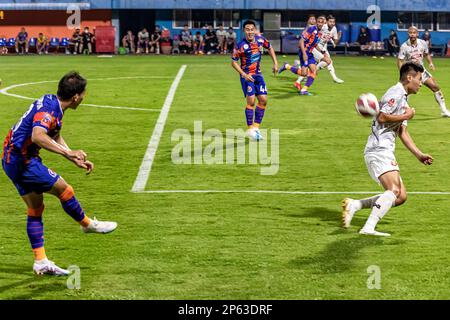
(402, 197)
(72, 207)
(35, 231)
(391, 182)
(438, 95)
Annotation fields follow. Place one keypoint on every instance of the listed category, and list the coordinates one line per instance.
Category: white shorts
(426, 75)
(318, 56)
(379, 163)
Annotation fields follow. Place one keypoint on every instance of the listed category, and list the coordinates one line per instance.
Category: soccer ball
(367, 105)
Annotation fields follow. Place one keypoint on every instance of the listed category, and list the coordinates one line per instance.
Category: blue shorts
(311, 59)
(31, 177)
(251, 88)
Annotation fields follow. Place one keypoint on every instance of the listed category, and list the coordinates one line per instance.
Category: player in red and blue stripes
(249, 50)
(40, 127)
(309, 40)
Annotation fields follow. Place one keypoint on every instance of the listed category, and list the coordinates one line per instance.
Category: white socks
(380, 208)
(366, 203)
(321, 65)
(332, 71)
(439, 96)
(300, 79)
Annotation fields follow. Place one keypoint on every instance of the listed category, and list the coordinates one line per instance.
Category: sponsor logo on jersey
(391, 102)
(245, 46)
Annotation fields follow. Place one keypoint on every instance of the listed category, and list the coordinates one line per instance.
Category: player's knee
(36, 212)
(401, 199)
(262, 102)
(396, 191)
(67, 194)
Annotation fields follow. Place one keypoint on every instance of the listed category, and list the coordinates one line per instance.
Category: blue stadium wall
(163, 10)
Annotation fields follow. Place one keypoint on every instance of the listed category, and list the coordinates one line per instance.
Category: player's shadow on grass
(340, 255)
(33, 285)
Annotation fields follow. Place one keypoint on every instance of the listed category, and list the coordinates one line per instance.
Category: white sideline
(147, 161)
(5, 92)
(288, 192)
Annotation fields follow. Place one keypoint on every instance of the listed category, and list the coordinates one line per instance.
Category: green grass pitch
(228, 245)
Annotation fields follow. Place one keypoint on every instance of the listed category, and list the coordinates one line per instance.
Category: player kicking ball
(249, 51)
(379, 152)
(415, 49)
(40, 128)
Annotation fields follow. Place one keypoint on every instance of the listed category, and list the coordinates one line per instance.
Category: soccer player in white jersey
(328, 34)
(379, 152)
(415, 49)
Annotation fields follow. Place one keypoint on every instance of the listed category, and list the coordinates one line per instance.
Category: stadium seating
(11, 43)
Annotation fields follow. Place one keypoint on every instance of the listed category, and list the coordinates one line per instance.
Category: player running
(379, 152)
(414, 49)
(309, 40)
(328, 33)
(40, 128)
(249, 51)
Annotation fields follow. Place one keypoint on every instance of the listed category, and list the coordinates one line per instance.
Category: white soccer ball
(367, 105)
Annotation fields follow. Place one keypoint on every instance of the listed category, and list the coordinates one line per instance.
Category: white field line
(289, 192)
(5, 92)
(147, 161)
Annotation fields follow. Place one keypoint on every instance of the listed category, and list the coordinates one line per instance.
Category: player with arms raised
(379, 152)
(40, 128)
(249, 50)
(415, 49)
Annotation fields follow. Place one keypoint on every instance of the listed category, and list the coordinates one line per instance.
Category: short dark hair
(248, 22)
(71, 84)
(331, 17)
(410, 68)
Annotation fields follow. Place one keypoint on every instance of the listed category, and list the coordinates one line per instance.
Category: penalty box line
(147, 161)
(289, 192)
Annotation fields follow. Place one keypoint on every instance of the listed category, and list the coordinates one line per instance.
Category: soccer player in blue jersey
(249, 50)
(40, 127)
(309, 40)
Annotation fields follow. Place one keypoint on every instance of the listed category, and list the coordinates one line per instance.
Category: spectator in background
(198, 43)
(42, 44)
(363, 39)
(210, 40)
(185, 44)
(76, 41)
(154, 40)
(166, 42)
(221, 39)
(86, 41)
(143, 40)
(427, 38)
(128, 42)
(393, 44)
(22, 42)
(230, 41)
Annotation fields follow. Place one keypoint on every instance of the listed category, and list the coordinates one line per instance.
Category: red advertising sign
(104, 39)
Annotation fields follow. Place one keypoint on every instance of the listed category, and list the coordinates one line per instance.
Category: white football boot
(48, 267)
(348, 211)
(445, 114)
(374, 233)
(337, 80)
(254, 134)
(99, 226)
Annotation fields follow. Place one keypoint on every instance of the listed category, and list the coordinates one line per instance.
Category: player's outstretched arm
(301, 45)
(411, 146)
(274, 59)
(59, 139)
(430, 62)
(43, 140)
